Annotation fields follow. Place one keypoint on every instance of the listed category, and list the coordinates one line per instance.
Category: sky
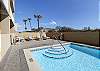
(70, 13)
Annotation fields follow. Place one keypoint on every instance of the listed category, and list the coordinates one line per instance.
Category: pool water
(82, 59)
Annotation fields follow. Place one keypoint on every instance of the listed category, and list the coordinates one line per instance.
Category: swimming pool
(77, 58)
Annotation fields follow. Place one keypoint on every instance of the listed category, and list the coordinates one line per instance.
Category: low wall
(91, 38)
(31, 34)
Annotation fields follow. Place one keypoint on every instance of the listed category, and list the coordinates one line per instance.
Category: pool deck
(15, 60)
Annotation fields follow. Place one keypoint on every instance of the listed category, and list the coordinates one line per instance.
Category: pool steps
(57, 54)
(56, 51)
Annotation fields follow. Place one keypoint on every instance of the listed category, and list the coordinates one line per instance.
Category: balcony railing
(12, 5)
(3, 11)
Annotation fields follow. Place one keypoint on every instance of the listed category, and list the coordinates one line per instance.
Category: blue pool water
(77, 58)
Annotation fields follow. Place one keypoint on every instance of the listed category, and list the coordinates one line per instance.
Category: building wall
(5, 36)
(6, 4)
(8, 8)
(0, 47)
(11, 14)
(5, 29)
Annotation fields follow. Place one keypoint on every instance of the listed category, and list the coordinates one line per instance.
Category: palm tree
(38, 17)
(29, 19)
(25, 23)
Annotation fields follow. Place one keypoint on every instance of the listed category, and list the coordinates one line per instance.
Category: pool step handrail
(59, 42)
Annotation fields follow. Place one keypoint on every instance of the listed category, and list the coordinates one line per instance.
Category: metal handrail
(60, 53)
(60, 42)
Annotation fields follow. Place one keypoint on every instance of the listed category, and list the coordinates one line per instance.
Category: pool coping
(89, 46)
(33, 65)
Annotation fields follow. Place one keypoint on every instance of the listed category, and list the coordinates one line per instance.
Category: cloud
(17, 26)
(52, 22)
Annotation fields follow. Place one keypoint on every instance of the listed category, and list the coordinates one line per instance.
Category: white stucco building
(6, 25)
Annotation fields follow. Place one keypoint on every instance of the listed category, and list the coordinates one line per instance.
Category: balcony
(12, 5)
(11, 24)
(3, 11)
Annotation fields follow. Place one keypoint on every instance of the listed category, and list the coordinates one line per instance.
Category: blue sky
(70, 13)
